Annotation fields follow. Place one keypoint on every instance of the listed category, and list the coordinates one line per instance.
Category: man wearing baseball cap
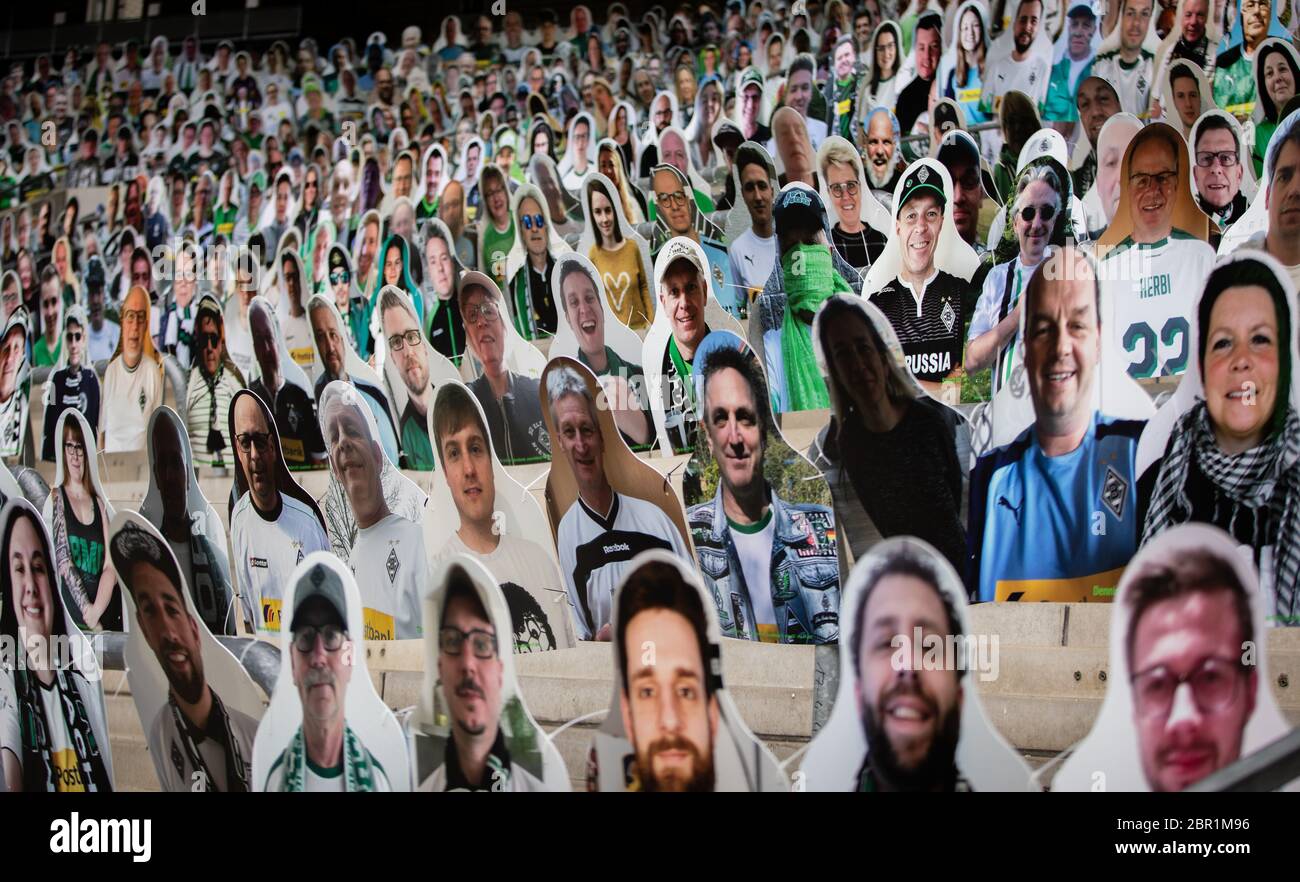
(924, 303)
(324, 755)
(750, 110)
(682, 280)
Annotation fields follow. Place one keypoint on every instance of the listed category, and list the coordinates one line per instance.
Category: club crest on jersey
(141, 401)
(393, 564)
(1018, 385)
(948, 315)
(1114, 491)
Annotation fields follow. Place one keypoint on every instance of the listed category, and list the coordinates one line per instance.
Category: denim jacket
(804, 576)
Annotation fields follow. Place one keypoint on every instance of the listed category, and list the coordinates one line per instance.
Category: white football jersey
(389, 563)
(595, 552)
(1150, 293)
(267, 552)
(1132, 84)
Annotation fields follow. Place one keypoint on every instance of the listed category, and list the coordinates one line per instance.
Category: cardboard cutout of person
(374, 517)
(619, 252)
(274, 523)
(59, 743)
(477, 509)
(133, 380)
(15, 386)
(1189, 611)
(78, 513)
(175, 505)
(1223, 191)
(901, 590)
(606, 506)
(72, 384)
(285, 388)
(760, 517)
(197, 704)
(667, 646)
(326, 728)
(471, 729)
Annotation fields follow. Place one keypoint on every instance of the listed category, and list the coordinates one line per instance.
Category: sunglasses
(206, 339)
(1046, 212)
(74, 336)
(338, 277)
(534, 222)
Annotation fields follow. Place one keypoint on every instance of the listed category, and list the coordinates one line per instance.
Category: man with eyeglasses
(324, 755)
(383, 96)
(996, 322)
(1151, 270)
(1130, 68)
(471, 676)
(271, 529)
(406, 348)
(511, 402)
(291, 404)
(133, 381)
(751, 107)
(13, 395)
(196, 740)
(214, 380)
(1189, 619)
(1218, 171)
(72, 386)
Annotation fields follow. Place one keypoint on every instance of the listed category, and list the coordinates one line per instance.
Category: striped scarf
(1265, 479)
(358, 772)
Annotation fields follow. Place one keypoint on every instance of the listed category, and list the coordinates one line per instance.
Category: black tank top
(86, 549)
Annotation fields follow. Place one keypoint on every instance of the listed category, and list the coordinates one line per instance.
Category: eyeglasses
(1214, 685)
(1143, 181)
(74, 448)
(677, 199)
(249, 440)
(850, 187)
(338, 277)
(533, 222)
(482, 643)
(304, 639)
(488, 312)
(1046, 212)
(74, 336)
(133, 315)
(1225, 158)
(406, 338)
(208, 338)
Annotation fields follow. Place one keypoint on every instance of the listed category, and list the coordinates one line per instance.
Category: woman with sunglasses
(79, 513)
(529, 265)
(214, 380)
(1038, 221)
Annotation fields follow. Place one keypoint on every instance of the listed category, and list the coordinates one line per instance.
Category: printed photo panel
(621, 255)
(274, 522)
(591, 332)
(1230, 431)
(476, 509)
(326, 728)
(470, 697)
(895, 459)
(175, 505)
(374, 515)
(72, 385)
(1189, 611)
(40, 751)
(686, 313)
(666, 645)
(15, 386)
(78, 514)
(606, 505)
(783, 583)
(182, 680)
(412, 369)
(285, 388)
(907, 713)
(133, 380)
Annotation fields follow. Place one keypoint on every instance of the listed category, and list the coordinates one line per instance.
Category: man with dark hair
(472, 677)
(1282, 238)
(753, 252)
(1190, 620)
(911, 717)
(1053, 513)
(927, 46)
(410, 357)
(1129, 66)
(800, 81)
(1096, 101)
(196, 741)
(668, 699)
(72, 386)
(959, 154)
(48, 348)
(523, 570)
(771, 565)
(1218, 170)
(1024, 69)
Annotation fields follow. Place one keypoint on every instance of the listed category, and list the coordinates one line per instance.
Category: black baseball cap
(797, 202)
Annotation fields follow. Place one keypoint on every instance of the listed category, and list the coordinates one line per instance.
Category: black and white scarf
(39, 770)
(1265, 479)
(237, 770)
